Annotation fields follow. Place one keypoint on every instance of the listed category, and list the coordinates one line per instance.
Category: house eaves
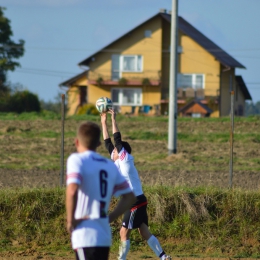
(205, 42)
(223, 57)
(70, 81)
(192, 103)
(243, 87)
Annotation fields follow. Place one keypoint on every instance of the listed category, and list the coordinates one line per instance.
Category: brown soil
(35, 161)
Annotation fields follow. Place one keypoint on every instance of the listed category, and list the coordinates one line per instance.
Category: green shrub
(146, 82)
(122, 81)
(87, 109)
(4, 101)
(24, 101)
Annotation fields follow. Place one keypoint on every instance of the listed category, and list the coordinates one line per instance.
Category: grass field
(32, 149)
(198, 215)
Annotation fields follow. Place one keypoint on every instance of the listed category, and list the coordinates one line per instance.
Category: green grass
(204, 221)
(145, 135)
(47, 115)
(198, 222)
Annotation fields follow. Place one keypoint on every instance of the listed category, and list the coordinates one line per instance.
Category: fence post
(231, 139)
(62, 141)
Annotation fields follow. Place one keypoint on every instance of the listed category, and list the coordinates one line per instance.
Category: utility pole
(172, 130)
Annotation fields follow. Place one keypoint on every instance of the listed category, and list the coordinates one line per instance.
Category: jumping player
(136, 216)
(91, 181)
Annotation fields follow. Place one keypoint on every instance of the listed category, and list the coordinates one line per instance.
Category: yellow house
(134, 72)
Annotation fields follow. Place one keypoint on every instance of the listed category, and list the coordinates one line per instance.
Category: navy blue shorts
(137, 215)
(92, 253)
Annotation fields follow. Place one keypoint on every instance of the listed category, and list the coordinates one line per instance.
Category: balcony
(124, 82)
(184, 96)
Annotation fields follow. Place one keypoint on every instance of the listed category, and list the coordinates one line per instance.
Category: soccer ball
(103, 104)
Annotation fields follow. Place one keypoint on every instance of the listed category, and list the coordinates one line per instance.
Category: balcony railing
(130, 81)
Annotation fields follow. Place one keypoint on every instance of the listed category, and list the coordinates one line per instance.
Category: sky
(59, 34)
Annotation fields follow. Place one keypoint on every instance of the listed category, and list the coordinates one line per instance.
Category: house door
(82, 95)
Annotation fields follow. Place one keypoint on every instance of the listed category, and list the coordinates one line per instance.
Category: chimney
(163, 11)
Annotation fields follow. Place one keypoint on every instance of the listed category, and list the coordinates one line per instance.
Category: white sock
(123, 249)
(163, 257)
(155, 246)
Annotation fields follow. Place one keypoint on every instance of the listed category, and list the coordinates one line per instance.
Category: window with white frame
(127, 96)
(196, 115)
(126, 63)
(195, 81)
(131, 63)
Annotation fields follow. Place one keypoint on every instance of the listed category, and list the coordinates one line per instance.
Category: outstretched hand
(113, 114)
(103, 117)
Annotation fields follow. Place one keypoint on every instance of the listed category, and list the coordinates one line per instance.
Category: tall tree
(9, 50)
(252, 108)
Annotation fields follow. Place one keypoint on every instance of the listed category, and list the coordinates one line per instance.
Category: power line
(42, 73)
(43, 70)
(120, 50)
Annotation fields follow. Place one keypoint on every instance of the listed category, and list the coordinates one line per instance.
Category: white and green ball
(103, 104)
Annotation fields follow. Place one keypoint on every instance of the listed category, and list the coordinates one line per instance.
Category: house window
(131, 63)
(125, 63)
(127, 96)
(147, 33)
(195, 81)
(196, 115)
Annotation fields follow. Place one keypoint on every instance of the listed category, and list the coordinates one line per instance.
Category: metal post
(172, 128)
(62, 141)
(231, 133)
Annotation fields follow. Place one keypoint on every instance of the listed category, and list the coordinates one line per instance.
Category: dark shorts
(137, 215)
(92, 253)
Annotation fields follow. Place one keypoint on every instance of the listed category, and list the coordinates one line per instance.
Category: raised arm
(104, 126)
(116, 132)
(115, 128)
(108, 144)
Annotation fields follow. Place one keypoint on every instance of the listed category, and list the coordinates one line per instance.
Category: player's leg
(152, 241)
(132, 219)
(124, 243)
(92, 253)
(125, 232)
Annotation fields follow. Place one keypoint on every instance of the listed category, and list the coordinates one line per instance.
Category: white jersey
(98, 180)
(126, 166)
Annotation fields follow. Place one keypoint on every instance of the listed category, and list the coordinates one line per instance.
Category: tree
(54, 106)
(252, 108)
(9, 50)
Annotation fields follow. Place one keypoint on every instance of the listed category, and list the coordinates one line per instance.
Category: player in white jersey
(91, 181)
(136, 216)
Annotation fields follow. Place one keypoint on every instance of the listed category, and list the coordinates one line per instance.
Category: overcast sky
(59, 34)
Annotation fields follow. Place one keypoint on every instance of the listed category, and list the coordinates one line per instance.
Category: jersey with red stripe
(98, 179)
(126, 166)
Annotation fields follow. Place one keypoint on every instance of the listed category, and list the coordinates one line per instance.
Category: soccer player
(91, 181)
(136, 216)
